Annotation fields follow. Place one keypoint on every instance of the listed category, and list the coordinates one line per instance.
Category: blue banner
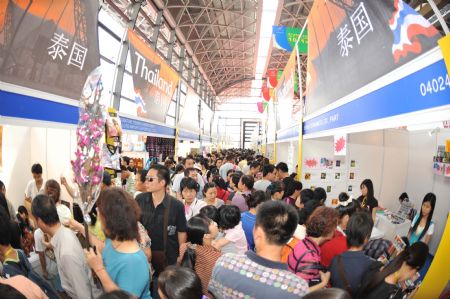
(186, 135)
(22, 106)
(287, 133)
(145, 127)
(424, 89)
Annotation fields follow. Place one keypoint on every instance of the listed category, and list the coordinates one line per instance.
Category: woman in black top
(385, 283)
(367, 200)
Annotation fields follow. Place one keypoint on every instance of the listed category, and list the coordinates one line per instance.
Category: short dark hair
(282, 166)
(106, 179)
(255, 199)
(208, 186)
(126, 160)
(189, 183)
(5, 227)
(268, 168)
(44, 208)
(210, 212)
(196, 229)
(22, 210)
(273, 188)
(230, 171)
(229, 216)
(163, 173)
(236, 177)
(187, 171)
(121, 214)
(187, 158)
(359, 228)
(291, 185)
(143, 175)
(220, 182)
(248, 181)
(254, 164)
(320, 194)
(308, 209)
(230, 158)
(322, 222)
(306, 195)
(180, 283)
(278, 220)
(36, 168)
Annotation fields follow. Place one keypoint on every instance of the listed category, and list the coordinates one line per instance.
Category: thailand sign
(154, 81)
(352, 43)
(49, 46)
(285, 38)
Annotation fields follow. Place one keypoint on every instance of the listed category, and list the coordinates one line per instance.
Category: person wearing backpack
(304, 260)
(348, 268)
(15, 261)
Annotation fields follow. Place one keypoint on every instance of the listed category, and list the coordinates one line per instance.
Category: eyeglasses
(150, 179)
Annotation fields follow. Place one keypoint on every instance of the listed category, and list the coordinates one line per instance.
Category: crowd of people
(226, 225)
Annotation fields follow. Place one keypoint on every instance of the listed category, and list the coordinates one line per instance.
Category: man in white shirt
(76, 276)
(227, 166)
(36, 185)
(269, 175)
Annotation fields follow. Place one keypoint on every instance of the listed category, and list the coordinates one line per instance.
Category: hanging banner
(155, 82)
(49, 46)
(284, 38)
(352, 43)
(288, 113)
(189, 112)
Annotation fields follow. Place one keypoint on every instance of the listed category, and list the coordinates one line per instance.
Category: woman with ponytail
(275, 191)
(198, 253)
(422, 227)
(384, 284)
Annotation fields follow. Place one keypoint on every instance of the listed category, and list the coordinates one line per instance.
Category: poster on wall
(155, 82)
(340, 145)
(50, 46)
(344, 38)
(285, 97)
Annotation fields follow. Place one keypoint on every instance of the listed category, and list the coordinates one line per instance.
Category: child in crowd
(249, 218)
(210, 195)
(304, 260)
(320, 195)
(275, 191)
(422, 227)
(348, 268)
(189, 188)
(234, 236)
(338, 244)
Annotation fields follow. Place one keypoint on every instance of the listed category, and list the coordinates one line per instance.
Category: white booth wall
(23, 146)
(395, 160)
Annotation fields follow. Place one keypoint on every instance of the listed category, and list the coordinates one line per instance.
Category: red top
(333, 247)
(222, 194)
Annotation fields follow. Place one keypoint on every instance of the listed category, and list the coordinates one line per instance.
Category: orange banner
(155, 82)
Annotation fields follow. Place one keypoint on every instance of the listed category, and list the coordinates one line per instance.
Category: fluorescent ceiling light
(269, 12)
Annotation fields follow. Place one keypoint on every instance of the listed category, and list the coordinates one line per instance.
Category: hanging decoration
(86, 167)
(272, 78)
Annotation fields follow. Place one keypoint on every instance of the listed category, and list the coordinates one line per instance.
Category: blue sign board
(23, 106)
(424, 89)
(145, 127)
(186, 135)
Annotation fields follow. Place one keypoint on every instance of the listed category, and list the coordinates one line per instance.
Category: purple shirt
(239, 200)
